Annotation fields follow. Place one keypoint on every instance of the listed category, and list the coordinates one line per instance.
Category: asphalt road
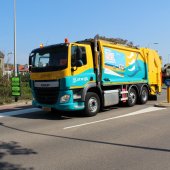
(121, 138)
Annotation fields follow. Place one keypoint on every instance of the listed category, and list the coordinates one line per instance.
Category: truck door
(81, 65)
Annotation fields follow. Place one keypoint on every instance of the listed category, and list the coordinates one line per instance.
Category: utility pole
(15, 66)
(16, 91)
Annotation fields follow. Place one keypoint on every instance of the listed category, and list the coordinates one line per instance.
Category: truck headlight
(65, 98)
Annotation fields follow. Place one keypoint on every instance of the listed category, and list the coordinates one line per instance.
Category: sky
(145, 22)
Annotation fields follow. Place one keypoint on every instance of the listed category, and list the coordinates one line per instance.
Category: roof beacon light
(66, 40)
(41, 45)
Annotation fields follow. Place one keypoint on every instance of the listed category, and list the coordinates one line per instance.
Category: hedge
(5, 89)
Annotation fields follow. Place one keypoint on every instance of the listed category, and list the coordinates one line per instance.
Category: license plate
(47, 109)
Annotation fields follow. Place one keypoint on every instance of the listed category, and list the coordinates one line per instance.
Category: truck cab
(60, 74)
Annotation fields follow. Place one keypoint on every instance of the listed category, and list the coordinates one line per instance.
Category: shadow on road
(13, 148)
(91, 141)
(47, 115)
(58, 115)
(5, 109)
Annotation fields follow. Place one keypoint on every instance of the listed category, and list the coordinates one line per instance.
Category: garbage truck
(91, 75)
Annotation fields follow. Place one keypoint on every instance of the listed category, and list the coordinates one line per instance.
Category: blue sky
(40, 21)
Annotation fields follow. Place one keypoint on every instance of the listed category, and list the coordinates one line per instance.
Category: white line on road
(19, 112)
(149, 109)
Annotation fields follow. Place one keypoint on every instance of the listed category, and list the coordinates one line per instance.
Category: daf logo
(45, 85)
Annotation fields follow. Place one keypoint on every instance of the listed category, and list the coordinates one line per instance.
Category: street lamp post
(15, 66)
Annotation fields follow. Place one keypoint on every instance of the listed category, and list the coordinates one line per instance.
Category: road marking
(149, 109)
(19, 112)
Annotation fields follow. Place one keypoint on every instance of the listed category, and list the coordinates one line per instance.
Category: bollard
(168, 94)
(167, 83)
(165, 103)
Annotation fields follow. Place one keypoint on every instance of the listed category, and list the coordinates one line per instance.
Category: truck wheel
(144, 96)
(132, 97)
(92, 104)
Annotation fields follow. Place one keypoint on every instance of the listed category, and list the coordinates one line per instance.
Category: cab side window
(78, 54)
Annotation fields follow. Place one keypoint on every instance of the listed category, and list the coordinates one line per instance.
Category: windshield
(49, 58)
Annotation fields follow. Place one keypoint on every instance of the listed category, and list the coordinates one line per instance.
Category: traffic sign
(16, 87)
(167, 82)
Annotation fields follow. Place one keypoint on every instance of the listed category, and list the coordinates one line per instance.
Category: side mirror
(79, 63)
(78, 53)
(31, 61)
(30, 67)
(77, 59)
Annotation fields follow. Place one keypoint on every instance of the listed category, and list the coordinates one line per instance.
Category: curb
(162, 104)
(15, 104)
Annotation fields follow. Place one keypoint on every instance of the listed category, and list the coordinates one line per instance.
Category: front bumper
(70, 105)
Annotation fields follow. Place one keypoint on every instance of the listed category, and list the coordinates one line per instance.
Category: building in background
(2, 62)
(22, 69)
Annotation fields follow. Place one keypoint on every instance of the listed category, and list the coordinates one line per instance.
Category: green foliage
(25, 91)
(25, 78)
(5, 89)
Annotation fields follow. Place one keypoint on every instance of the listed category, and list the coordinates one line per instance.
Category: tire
(92, 104)
(132, 97)
(143, 98)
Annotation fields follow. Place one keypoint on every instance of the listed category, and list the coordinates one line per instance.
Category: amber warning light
(41, 45)
(66, 40)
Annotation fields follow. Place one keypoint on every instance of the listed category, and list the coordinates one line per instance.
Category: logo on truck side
(75, 80)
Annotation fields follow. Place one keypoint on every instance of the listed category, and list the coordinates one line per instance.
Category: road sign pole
(15, 68)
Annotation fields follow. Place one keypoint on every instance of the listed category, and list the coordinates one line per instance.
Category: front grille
(46, 95)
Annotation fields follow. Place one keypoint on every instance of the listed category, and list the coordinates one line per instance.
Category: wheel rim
(144, 95)
(132, 97)
(92, 104)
